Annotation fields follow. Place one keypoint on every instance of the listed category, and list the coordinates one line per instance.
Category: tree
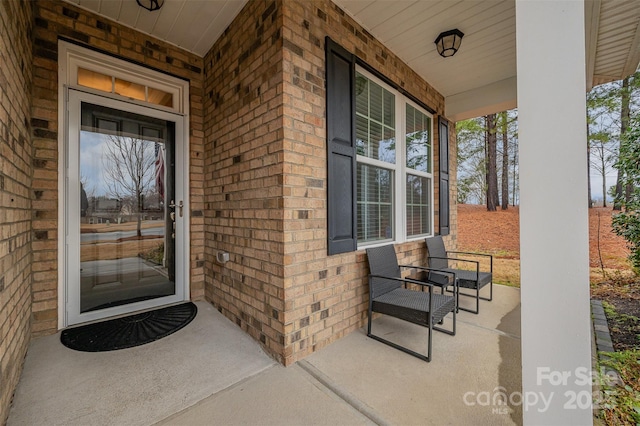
(609, 108)
(129, 164)
(630, 90)
(492, 172)
(624, 124)
(515, 188)
(508, 139)
(603, 158)
(603, 103)
(471, 161)
(86, 191)
(627, 222)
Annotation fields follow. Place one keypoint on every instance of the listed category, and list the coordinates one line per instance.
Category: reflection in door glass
(126, 239)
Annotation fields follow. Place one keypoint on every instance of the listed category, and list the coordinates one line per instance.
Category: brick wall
(16, 153)
(258, 166)
(265, 175)
(257, 177)
(244, 173)
(327, 297)
(54, 19)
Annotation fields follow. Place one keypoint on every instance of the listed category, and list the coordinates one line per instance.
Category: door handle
(180, 206)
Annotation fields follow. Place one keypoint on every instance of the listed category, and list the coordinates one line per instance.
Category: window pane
(94, 80)
(387, 150)
(418, 140)
(362, 95)
(362, 135)
(129, 89)
(375, 102)
(418, 205)
(375, 195)
(375, 121)
(159, 97)
(389, 109)
(103, 82)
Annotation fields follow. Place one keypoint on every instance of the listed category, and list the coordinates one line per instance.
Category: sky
(92, 169)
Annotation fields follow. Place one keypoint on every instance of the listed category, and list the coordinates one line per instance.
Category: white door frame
(70, 58)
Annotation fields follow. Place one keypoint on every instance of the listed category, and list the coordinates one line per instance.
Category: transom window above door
(105, 75)
(112, 84)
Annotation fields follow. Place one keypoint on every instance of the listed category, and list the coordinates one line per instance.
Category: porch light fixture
(150, 5)
(448, 42)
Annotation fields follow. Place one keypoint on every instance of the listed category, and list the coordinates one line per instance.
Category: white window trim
(70, 58)
(400, 169)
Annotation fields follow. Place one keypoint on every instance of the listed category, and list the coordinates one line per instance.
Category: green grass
(154, 255)
(621, 402)
(613, 315)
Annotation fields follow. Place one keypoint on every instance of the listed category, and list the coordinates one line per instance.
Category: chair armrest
(440, 271)
(476, 254)
(426, 268)
(403, 280)
(457, 259)
(471, 253)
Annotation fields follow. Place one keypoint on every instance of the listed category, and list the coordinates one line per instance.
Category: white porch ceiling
(408, 28)
(479, 79)
(193, 25)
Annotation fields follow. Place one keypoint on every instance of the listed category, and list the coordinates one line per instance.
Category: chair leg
(405, 350)
(451, 332)
(453, 326)
(477, 297)
(490, 298)
(456, 293)
(430, 328)
(430, 338)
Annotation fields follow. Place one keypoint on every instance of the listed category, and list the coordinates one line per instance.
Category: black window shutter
(444, 175)
(341, 150)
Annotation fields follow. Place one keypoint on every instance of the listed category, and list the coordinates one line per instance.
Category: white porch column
(554, 242)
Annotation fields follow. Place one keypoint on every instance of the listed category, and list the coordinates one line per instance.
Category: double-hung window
(394, 164)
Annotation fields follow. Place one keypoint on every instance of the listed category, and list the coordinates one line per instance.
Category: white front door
(126, 218)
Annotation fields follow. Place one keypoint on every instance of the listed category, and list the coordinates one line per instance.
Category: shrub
(627, 223)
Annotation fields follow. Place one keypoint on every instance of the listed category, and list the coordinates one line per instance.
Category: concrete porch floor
(211, 372)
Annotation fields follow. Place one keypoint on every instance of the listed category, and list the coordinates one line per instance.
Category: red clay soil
(499, 233)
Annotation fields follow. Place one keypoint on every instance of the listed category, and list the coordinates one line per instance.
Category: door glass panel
(127, 237)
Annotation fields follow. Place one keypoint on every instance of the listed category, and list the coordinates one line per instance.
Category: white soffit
(481, 77)
(193, 25)
(486, 60)
(617, 51)
(409, 28)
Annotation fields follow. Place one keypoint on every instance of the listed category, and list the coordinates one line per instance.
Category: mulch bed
(498, 233)
(623, 294)
(625, 326)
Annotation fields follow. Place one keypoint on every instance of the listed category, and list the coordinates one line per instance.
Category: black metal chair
(388, 296)
(438, 258)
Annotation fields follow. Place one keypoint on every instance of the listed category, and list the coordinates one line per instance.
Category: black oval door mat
(129, 331)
